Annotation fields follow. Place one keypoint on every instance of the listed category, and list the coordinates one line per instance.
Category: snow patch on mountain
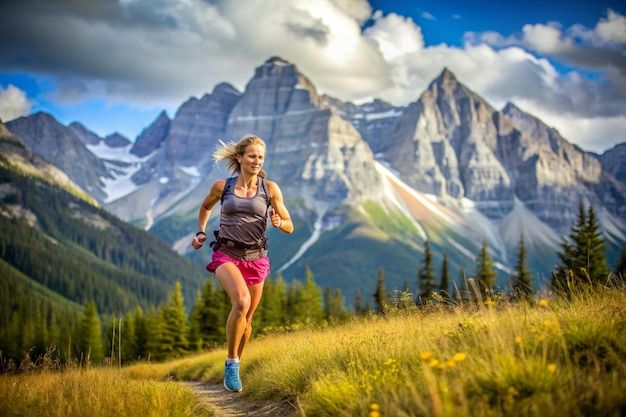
(120, 182)
(383, 115)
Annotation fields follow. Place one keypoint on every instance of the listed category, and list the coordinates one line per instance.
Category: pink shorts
(254, 272)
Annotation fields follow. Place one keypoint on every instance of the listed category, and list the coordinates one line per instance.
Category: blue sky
(114, 65)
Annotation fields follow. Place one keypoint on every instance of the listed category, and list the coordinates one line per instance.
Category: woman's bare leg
(230, 278)
(256, 291)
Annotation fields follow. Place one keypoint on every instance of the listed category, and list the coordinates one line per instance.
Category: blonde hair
(229, 151)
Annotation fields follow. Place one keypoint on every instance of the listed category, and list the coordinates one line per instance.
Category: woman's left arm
(281, 218)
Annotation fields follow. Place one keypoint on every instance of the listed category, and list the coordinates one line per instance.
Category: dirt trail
(231, 404)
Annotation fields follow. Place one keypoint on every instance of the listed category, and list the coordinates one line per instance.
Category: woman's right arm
(211, 199)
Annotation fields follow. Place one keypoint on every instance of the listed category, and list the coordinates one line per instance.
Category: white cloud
(395, 36)
(612, 29)
(545, 39)
(13, 103)
(159, 53)
(609, 31)
(358, 9)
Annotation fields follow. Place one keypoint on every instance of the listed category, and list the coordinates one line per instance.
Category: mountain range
(366, 184)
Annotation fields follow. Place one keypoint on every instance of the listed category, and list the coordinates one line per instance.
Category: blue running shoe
(231, 377)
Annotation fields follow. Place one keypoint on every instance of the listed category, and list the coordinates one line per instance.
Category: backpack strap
(229, 183)
(267, 192)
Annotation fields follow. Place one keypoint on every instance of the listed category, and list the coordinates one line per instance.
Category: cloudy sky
(114, 65)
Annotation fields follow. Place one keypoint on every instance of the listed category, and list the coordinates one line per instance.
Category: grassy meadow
(548, 357)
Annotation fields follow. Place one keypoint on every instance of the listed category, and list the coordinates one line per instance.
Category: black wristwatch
(200, 233)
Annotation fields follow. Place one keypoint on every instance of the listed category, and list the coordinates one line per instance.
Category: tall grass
(547, 357)
(95, 392)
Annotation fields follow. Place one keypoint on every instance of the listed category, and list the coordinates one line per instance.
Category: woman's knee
(242, 303)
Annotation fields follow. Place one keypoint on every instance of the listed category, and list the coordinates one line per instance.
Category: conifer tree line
(163, 332)
(582, 256)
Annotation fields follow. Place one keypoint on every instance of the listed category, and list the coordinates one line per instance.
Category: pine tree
(444, 287)
(90, 336)
(153, 331)
(426, 276)
(485, 274)
(129, 347)
(174, 320)
(582, 256)
(327, 295)
(208, 316)
(596, 250)
(380, 295)
(620, 267)
(141, 335)
(273, 309)
(194, 337)
(311, 300)
(333, 304)
(522, 281)
(358, 303)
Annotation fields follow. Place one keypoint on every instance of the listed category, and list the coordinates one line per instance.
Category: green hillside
(59, 252)
(84, 253)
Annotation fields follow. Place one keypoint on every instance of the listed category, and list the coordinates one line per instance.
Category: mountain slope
(77, 250)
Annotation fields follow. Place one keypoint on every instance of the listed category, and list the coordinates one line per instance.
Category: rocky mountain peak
(511, 108)
(150, 139)
(311, 147)
(116, 140)
(84, 134)
(613, 162)
(226, 88)
(60, 145)
(445, 78)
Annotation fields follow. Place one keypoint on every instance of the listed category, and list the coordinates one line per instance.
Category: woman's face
(252, 159)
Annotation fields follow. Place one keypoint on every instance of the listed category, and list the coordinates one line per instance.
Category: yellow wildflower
(433, 363)
(518, 340)
(426, 356)
(374, 410)
(543, 303)
(459, 357)
(390, 361)
(551, 368)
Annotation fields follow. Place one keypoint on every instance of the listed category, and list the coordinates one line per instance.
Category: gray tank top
(244, 219)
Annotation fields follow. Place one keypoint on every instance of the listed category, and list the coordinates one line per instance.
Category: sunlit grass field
(548, 357)
(96, 392)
